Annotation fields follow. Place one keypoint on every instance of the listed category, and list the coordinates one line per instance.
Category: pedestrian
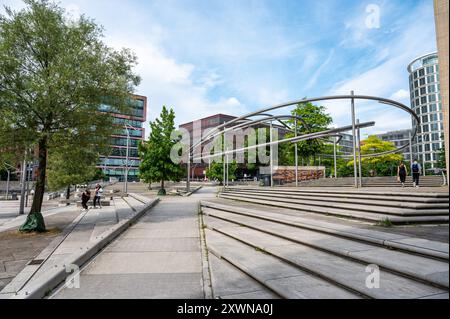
(85, 197)
(416, 171)
(97, 195)
(402, 172)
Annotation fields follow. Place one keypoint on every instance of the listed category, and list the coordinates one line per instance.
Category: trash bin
(265, 180)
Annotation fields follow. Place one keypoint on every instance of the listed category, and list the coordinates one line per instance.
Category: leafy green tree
(382, 165)
(156, 164)
(215, 172)
(54, 76)
(317, 120)
(441, 163)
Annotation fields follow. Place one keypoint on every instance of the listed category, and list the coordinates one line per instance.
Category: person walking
(402, 172)
(416, 171)
(85, 197)
(97, 195)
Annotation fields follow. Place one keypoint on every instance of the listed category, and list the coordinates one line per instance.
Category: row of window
(429, 147)
(430, 89)
(429, 137)
(429, 79)
(433, 127)
(433, 107)
(425, 99)
(122, 141)
(119, 151)
(122, 121)
(119, 162)
(121, 172)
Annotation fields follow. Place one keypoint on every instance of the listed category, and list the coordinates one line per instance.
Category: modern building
(198, 128)
(132, 134)
(426, 102)
(346, 144)
(441, 15)
(398, 138)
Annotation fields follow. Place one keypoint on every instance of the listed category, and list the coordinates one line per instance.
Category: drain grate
(36, 262)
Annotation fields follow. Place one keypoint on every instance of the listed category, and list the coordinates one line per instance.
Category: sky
(202, 57)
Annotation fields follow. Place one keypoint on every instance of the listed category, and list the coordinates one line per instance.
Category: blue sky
(202, 57)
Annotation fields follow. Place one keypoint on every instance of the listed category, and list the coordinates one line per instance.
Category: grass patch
(385, 222)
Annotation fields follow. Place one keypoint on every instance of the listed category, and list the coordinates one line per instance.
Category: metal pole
(296, 156)
(126, 164)
(355, 170)
(359, 155)
(7, 183)
(22, 188)
(334, 153)
(227, 173)
(410, 154)
(223, 160)
(28, 185)
(188, 181)
(271, 156)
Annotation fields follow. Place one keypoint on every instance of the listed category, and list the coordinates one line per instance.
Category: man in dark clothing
(416, 171)
(85, 198)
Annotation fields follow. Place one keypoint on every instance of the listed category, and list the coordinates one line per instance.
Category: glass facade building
(426, 102)
(114, 164)
(398, 138)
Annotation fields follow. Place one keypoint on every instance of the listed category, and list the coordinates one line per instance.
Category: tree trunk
(40, 181)
(35, 220)
(162, 183)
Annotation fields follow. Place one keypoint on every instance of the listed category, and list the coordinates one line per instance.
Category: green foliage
(317, 120)
(383, 165)
(441, 160)
(215, 172)
(54, 75)
(156, 164)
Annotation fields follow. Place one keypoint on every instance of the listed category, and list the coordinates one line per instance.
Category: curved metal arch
(325, 98)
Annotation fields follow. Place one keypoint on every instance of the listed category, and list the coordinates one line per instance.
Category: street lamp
(127, 126)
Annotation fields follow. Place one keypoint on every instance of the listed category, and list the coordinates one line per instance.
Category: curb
(43, 285)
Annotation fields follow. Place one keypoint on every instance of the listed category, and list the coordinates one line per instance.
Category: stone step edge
(318, 274)
(424, 195)
(310, 272)
(371, 202)
(397, 197)
(367, 239)
(342, 211)
(338, 252)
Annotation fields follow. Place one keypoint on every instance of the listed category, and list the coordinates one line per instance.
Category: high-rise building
(398, 138)
(114, 165)
(346, 144)
(426, 102)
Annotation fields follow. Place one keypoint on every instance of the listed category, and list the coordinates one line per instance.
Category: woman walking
(402, 172)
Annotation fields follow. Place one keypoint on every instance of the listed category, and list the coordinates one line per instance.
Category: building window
(425, 128)
(423, 100)
(430, 69)
(421, 72)
(422, 81)
(428, 157)
(432, 98)
(434, 127)
(433, 107)
(433, 117)
(431, 89)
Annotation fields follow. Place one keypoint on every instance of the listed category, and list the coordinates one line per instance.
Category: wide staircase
(383, 181)
(375, 206)
(258, 251)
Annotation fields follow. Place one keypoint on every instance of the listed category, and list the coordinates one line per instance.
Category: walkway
(159, 257)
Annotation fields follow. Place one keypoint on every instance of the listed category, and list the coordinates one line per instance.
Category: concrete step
(366, 212)
(421, 268)
(280, 277)
(374, 200)
(336, 270)
(430, 249)
(228, 282)
(391, 197)
(352, 193)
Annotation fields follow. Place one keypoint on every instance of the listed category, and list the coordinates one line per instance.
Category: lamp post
(355, 169)
(127, 126)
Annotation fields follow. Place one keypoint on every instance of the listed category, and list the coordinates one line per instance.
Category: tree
(156, 164)
(382, 165)
(215, 172)
(54, 76)
(317, 120)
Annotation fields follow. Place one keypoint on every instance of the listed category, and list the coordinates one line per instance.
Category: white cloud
(400, 95)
